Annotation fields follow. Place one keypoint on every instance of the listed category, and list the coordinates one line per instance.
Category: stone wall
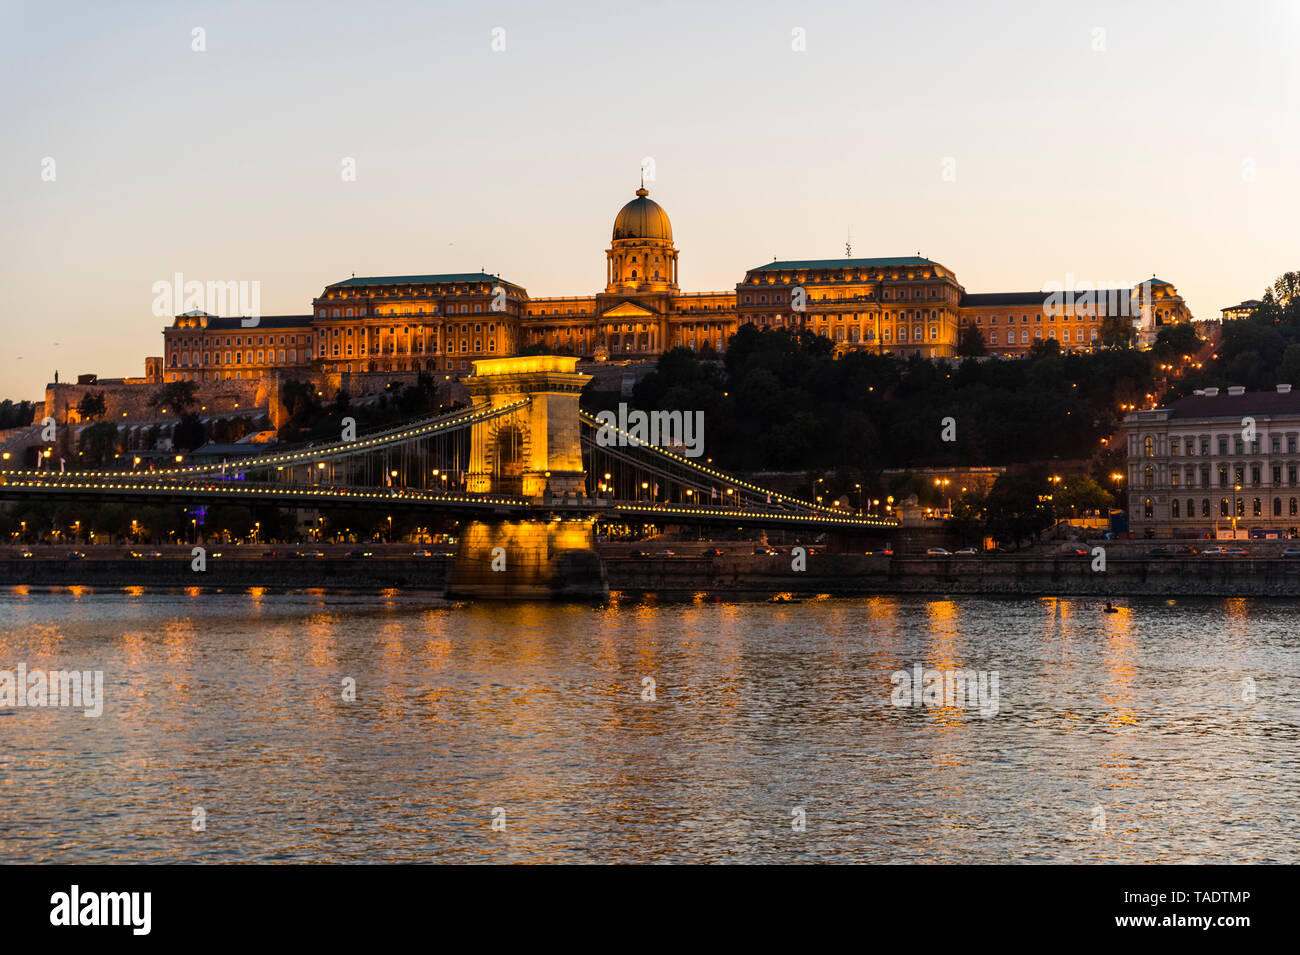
(128, 401)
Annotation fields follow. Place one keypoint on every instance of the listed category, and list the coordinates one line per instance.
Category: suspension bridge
(526, 470)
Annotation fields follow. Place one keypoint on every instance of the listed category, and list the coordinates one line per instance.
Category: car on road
(1236, 552)
(668, 553)
(1291, 551)
(713, 552)
(637, 553)
(1158, 552)
(76, 555)
(25, 554)
(765, 551)
(937, 552)
(421, 553)
(966, 552)
(360, 553)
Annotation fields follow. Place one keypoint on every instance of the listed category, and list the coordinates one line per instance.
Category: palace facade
(441, 323)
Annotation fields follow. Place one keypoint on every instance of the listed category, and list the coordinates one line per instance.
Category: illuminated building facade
(1215, 461)
(441, 323)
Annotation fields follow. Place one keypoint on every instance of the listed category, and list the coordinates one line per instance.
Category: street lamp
(1235, 489)
(943, 483)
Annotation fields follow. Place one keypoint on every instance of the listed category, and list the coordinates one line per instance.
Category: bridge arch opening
(508, 460)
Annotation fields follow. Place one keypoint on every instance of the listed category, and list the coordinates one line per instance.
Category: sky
(1017, 143)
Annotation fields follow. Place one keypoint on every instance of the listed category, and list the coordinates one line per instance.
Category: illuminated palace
(407, 323)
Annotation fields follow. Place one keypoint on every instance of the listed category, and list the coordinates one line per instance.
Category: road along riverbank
(839, 574)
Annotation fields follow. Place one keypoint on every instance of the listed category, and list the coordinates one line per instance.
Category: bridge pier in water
(533, 453)
(527, 560)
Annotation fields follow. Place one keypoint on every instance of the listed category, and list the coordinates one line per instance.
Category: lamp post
(943, 483)
(1235, 489)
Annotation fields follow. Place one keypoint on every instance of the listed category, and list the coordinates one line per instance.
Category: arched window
(1191, 508)
(1148, 508)
(1148, 475)
(1293, 507)
(634, 273)
(1173, 508)
(1148, 446)
(1277, 507)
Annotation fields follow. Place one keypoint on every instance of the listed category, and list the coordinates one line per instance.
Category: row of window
(392, 332)
(1051, 333)
(1190, 445)
(748, 298)
(1024, 319)
(188, 359)
(228, 342)
(1190, 474)
(1176, 510)
(394, 310)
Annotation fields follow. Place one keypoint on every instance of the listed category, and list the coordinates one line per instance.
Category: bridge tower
(535, 452)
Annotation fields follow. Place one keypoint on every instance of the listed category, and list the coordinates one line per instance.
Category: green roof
(886, 262)
(420, 279)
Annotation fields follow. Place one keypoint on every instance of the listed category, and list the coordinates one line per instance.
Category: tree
(1079, 492)
(1016, 509)
(970, 342)
(179, 396)
(1044, 348)
(92, 406)
(1286, 288)
(1174, 341)
(16, 414)
(1116, 331)
(967, 521)
(189, 433)
(98, 444)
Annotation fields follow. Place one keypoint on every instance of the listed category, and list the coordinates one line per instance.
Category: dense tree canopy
(781, 400)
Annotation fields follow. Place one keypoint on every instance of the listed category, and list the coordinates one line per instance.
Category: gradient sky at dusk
(226, 164)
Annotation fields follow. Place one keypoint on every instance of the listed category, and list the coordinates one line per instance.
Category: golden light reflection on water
(539, 708)
(1121, 671)
(943, 654)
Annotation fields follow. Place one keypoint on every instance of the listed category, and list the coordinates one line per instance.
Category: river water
(1167, 732)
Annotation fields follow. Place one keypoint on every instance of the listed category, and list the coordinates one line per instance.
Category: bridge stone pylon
(538, 449)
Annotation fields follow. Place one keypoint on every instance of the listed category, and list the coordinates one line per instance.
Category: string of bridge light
(312, 456)
(416, 497)
(389, 495)
(764, 515)
(638, 442)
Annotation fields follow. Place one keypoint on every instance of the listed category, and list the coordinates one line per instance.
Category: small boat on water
(786, 599)
(1110, 608)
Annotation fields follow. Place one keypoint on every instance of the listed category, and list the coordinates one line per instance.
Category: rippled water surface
(1167, 732)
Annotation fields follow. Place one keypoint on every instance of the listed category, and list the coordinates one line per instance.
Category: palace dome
(643, 218)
